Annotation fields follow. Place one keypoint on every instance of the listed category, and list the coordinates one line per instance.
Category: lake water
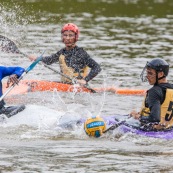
(121, 35)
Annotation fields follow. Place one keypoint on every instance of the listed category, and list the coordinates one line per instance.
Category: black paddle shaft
(113, 127)
(8, 45)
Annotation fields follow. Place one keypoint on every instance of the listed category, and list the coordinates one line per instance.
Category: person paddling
(14, 73)
(157, 109)
(74, 61)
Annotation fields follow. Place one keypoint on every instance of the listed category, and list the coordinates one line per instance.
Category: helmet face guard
(143, 74)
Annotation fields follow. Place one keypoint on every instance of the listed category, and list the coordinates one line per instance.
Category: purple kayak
(126, 128)
(123, 124)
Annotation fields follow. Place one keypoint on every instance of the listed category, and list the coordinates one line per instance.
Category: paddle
(9, 46)
(24, 73)
(113, 127)
(73, 80)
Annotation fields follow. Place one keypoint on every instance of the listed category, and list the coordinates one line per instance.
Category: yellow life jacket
(69, 71)
(166, 115)
(145, 111)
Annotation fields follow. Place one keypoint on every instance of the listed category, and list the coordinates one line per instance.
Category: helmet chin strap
(157, 79)
(161, 77)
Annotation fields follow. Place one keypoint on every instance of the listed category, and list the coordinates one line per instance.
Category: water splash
(14, 19)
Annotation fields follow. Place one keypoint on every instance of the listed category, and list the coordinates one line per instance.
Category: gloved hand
(32, 57)
(147, 127)
(12, 79)
(135, 114)
(82, 82)
(2, 103)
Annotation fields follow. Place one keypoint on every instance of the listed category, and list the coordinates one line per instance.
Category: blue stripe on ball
(95, 124)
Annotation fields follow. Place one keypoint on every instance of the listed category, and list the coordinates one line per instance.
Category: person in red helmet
(74, 61)
(70, 27)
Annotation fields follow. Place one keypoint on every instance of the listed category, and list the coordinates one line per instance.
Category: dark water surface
(121, 35)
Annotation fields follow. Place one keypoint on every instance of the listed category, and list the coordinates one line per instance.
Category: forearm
(50, 59)
(7, 71)
(155, 111)
(144, 119)
(149, 119)
(18, 71)
(94, 72)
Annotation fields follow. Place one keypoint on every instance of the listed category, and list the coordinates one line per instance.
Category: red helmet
(71, 27)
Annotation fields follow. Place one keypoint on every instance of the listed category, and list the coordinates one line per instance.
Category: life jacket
(145, 111)
(70, 72)
(166, 115)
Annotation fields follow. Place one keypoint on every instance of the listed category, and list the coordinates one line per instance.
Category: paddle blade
(8, 46)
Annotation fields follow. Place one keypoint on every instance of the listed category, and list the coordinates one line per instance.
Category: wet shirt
(7, 71)
(155, 97)
(76, 58)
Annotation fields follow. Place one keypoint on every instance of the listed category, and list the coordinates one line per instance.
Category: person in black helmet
(157, 109)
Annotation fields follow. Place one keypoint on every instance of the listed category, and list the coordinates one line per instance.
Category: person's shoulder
(169, 85)
(155, 89)
(60, 51)
(80, 49)
(81, 52)
(166, 86)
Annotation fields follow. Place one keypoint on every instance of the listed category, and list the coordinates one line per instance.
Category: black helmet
(159, 65)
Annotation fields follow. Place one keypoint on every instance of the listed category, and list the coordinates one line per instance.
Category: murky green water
(122, 35)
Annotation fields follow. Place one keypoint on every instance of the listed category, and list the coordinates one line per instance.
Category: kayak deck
(124, 127)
